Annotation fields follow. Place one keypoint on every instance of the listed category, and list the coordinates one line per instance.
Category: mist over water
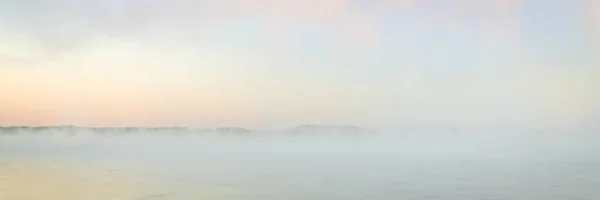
(494, 99)
(383, 166)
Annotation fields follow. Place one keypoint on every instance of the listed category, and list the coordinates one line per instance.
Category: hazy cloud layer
(270, 63)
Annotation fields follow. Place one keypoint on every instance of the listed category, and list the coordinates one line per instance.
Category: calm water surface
(442, 166)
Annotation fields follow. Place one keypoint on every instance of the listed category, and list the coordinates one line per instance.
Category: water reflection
(416, 167)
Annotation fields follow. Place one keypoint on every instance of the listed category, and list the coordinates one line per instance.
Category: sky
(279, 63)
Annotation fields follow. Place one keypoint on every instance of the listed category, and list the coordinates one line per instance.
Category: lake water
(481, 166)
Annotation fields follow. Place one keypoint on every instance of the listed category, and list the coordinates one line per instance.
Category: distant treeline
(304, 129)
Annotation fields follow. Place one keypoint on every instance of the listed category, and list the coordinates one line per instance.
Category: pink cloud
(496, 20)
(594, 15)
(357, 29)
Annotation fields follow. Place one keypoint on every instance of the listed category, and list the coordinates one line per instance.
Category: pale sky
(278, 63)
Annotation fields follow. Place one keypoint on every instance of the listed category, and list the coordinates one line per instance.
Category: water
(402, 166)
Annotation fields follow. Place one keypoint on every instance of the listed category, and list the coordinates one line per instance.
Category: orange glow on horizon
(50, 99)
